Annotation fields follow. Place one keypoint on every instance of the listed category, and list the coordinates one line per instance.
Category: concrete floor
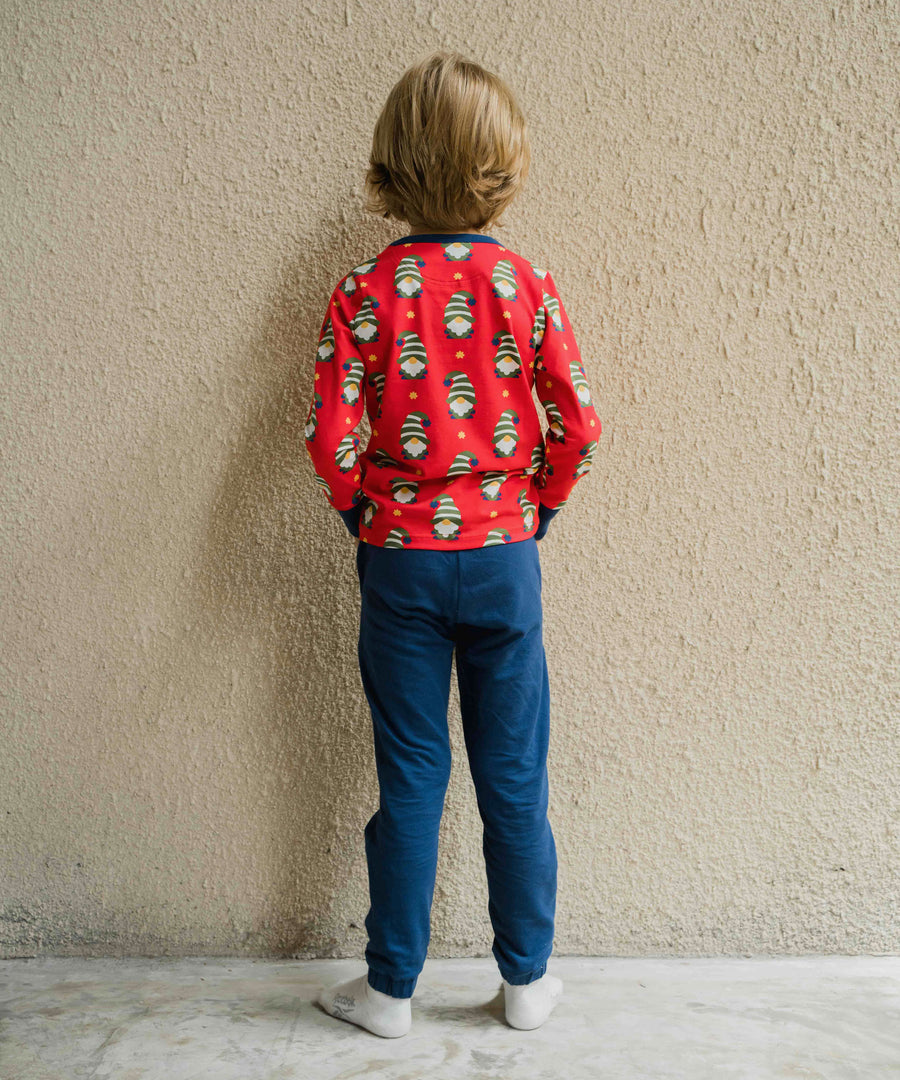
(801, 1017)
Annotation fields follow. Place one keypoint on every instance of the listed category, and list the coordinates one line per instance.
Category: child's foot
(529, 1006)
(362, 1004)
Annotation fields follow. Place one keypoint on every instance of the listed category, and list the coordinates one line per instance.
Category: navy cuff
(351, 518)
(545, 516)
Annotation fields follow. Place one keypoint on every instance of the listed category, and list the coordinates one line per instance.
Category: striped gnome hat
(464, 462)
(497, 536)
(491, 485)
(413, 358)
(528, 509)
(505, 437)
(403, 490)
(326, 342)
(582, 390)
(397, 537)
(364, 324)
(507, 362)
(461, 399)
(351, 384)
(407, 279)
(503, 279)
(552, 305)
(376, 379)
(537, 332)
(413, 440)
(458, 320)
(446, 521)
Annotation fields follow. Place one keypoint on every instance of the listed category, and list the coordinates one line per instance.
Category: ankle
(385, 1000)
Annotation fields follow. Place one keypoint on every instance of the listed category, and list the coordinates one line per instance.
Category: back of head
(450, 150)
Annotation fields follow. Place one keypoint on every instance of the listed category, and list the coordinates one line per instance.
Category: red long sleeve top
(440, 343)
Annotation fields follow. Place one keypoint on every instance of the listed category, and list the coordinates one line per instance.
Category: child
(439, 340)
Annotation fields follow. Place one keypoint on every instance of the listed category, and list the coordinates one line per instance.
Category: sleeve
(563, 392)
(337, 407)
(351, 519)
(545, 516)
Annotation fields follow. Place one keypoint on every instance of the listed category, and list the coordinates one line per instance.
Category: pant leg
(405, 656)
(505, 703)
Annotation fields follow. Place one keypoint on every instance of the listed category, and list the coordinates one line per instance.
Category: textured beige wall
(187, 760)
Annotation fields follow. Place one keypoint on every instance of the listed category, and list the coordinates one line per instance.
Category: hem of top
(448, 545)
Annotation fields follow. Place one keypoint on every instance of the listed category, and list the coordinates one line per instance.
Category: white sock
(360, 1003)
(528, 1006)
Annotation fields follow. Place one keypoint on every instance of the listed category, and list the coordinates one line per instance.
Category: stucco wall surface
(187, 757)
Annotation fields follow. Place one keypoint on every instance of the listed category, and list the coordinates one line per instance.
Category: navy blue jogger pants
(417, 605)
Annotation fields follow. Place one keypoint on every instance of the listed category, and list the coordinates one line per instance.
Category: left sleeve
(563, 391)
(337, 407)
(351, 519)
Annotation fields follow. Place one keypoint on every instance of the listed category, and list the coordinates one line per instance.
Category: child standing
(441, 340)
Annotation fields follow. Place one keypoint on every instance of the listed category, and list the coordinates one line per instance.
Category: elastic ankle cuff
(398, 988)
(531, 976)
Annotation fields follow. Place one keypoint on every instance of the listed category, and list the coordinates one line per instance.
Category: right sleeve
(545, 516)
(563, 392)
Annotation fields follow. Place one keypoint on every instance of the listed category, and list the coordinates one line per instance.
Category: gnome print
(446, 522)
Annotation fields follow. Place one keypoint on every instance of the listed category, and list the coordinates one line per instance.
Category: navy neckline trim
(445, 238)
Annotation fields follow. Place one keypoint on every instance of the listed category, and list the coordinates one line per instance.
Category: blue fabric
(445, 238)
(545, 516)
(416, 606)
(351, 518)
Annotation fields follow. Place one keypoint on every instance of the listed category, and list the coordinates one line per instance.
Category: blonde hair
(450, 148)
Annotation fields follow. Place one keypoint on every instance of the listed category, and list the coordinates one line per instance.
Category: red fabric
(441, 352)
